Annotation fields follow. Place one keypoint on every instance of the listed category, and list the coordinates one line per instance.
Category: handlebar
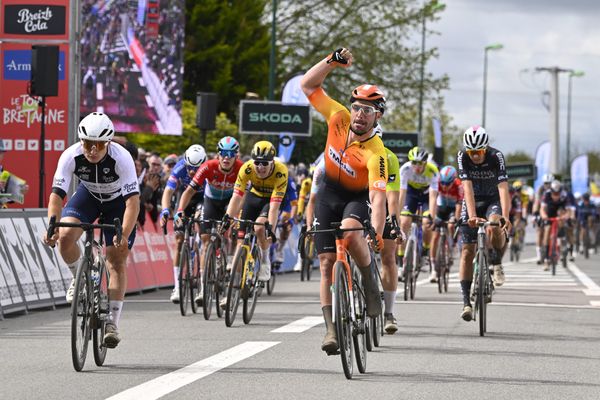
(116, 225)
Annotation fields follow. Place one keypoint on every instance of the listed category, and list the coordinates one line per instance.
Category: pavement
(543, 341)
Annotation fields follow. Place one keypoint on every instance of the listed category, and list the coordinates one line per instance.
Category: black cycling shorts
(254, 207)
(414, 199)
(334, 205)
(445, 212)
(483, 209)
(86, 208)
(212, 209)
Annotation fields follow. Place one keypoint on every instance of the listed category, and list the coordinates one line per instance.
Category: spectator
(5, 177)
(169, 163)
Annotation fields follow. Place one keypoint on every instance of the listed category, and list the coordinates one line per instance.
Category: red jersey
(219, 185)
(449, 195)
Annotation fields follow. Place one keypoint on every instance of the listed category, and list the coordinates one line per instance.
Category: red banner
(32, 22)
(21, 116)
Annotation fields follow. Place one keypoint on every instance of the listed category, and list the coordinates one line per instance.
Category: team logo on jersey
(106, 170)
(130, 187)
(248, 170)
(392, 178)
(59, 181)
(280, 175)
(379, 184)
(83, 170)
(382, 170)
(337, 158)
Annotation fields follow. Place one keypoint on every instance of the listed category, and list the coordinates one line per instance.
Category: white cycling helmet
(194, 156)
(547, 178)
(97, 127)
(475, 138)
(556, 186)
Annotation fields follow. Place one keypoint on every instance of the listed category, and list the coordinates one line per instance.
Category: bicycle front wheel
(271, 281)
(209, 281)
(184, 278)
(360, 324)
(235, 285)
(222, 279)
(81, 312)
(343, 321)
(101, 311)
(195, 278)
(254, 287)
(481, 282)
(440, 264)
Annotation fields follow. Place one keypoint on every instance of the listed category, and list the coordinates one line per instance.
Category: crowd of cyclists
(356, 179)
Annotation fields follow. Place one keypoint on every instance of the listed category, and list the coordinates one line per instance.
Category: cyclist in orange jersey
(355, 179)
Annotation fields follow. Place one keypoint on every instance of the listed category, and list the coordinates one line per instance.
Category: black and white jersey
(111, 177)
(485, 176)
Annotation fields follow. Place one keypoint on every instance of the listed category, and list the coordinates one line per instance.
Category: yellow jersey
(273, 186)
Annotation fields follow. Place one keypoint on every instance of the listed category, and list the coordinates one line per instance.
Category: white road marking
(300, 325)
(495, 303)
(141, 82)
(584, 279)
(595, 303)
(170, 382)
(99, 91)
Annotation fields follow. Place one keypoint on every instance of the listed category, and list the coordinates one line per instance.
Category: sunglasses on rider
(228, 153)
(367, 110)
(88, 145)
(262, 163)
(418, 162)
(480, 152)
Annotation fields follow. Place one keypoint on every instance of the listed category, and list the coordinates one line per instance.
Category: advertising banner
(292, 94)
(132, 63)
(34, 19)
(580, 174)
(24, 23)
(269, 117)
(542, 163)
(400, 142)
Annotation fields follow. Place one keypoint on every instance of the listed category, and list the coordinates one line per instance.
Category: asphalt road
(543, 341)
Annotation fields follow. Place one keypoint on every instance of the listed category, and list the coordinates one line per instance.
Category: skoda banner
(292, 94)
(542, 163)
(400, 142)
(272, 117)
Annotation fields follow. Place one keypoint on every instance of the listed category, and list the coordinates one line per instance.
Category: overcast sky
(535, 33)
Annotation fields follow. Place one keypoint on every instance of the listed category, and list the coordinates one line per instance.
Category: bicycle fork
(340, 256)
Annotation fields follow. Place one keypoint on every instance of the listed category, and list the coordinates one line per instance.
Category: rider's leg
(389, 281)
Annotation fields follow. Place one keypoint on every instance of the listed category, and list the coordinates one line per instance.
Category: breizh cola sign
(27, 19)
(272, 117)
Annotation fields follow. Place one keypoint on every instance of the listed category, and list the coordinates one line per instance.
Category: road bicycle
(215, 276)
(443, 257)
(483, 286)
(556, 251)
(243, 281)
(412, 256)
(348, 301)
(516, 242)
(308, 252)
(190, 277)
(90, 307)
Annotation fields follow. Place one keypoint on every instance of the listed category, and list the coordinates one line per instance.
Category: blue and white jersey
(180, 177)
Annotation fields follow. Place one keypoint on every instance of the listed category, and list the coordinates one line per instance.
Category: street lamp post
(496, 46)
(572, 74)
(434, 7)
(272, 55)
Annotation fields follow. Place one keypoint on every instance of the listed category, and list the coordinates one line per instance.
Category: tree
(451, 134)
(226, 50)
(377, 33)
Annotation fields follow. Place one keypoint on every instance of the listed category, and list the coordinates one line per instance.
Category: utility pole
(554, 114)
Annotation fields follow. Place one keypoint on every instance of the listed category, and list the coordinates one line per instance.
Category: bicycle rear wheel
(81, 312)
(235, 285)
(481, 283)
(343, 321)
(101, 311)
(209, 281)
(195, 275)
(222, 279)
(440, 264)
(254, 288)
(184, 278)
(271, 281)
(360, 323)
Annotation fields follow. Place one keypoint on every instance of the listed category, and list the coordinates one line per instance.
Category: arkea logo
(17, 65)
